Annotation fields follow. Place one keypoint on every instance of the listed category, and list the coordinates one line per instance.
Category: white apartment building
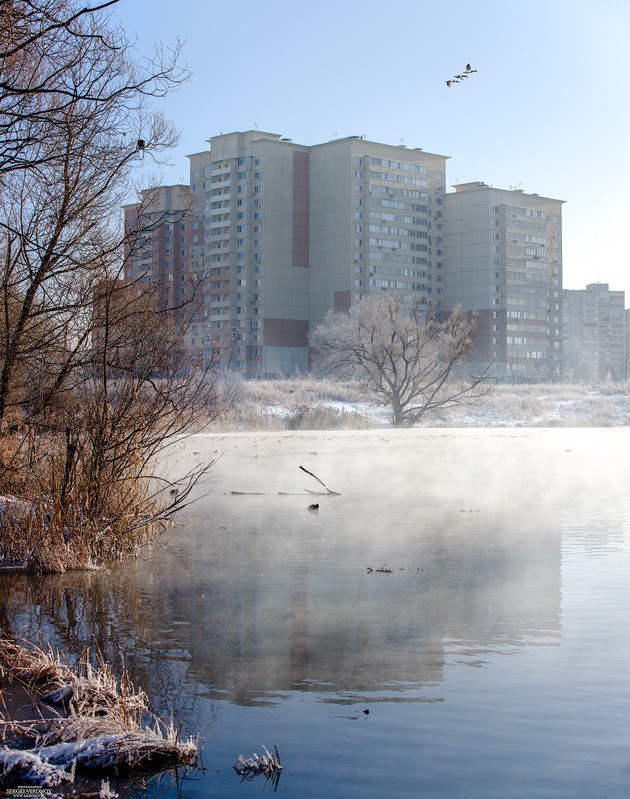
(504, 261)
(594, 333)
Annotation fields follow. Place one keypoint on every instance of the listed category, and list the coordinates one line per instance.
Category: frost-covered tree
(404, 355)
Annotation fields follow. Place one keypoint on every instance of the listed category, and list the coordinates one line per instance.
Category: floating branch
(269, 765)
(332, 493)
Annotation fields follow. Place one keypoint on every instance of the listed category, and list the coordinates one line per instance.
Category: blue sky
(548, 110)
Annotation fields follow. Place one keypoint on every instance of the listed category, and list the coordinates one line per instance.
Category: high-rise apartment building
(252, 194)
(504, 261)
(595, 333)
(376, 223)
(292, 231)
(284, 232)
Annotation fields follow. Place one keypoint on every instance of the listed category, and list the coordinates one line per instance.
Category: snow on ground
(589, 408)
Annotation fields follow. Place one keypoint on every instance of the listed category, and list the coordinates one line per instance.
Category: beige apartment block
(504, 261)
(252, 190)
(291, 231)
(376, 223)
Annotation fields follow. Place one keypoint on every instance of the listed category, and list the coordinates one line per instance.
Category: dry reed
(104, 724)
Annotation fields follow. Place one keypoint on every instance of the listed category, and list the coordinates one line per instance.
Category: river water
(491, 657)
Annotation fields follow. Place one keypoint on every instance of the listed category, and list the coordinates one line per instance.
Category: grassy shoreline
(312, 404)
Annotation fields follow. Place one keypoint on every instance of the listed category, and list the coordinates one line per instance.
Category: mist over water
(492, 657)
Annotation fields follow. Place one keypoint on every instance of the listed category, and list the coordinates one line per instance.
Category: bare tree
(74, 120)
(57, 55)
(95, 374)
(403, 355)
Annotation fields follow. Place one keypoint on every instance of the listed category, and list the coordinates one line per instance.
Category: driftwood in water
(328, 491)
(267, 764)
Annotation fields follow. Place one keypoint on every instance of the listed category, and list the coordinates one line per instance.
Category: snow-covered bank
(83, 720)
(309, 404)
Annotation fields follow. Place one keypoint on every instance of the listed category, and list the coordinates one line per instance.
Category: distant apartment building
(594, 333)
(282, 232)
(165, 247)
(504, 261)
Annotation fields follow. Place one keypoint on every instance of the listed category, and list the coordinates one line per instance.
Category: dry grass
(104, 724)
(47, 521)
(310, 403)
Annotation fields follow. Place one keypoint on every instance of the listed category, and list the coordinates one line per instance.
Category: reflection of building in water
(260, 612)
(262, 596)
(267, 625)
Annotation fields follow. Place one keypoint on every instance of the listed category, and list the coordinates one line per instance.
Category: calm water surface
(494, 659)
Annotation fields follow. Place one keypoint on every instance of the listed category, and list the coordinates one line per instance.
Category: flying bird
(459, 78)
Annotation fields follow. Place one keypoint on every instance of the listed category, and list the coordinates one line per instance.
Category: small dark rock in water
(367, 712)
(313, 507)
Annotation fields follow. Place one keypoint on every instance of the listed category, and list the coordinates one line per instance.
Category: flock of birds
(459, 78)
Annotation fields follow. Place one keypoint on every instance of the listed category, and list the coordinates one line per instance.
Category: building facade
(291, 231)
(164, 239)
(594, 333)
(504, 261)
(282, 232)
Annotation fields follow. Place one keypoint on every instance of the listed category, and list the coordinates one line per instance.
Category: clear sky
(548, 110)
